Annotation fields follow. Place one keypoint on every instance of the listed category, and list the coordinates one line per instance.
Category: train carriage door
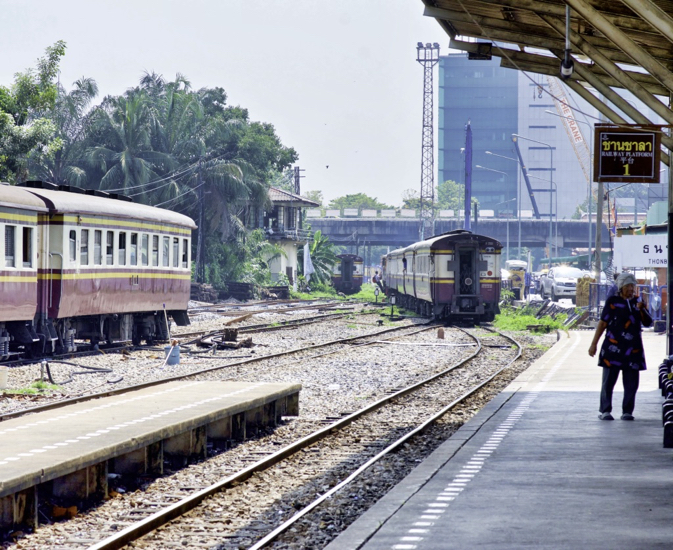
(468, 274)
(347, 270)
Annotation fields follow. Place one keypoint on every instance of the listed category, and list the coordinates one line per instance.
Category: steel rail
(119, 391)
(391, 448)
(173, 511)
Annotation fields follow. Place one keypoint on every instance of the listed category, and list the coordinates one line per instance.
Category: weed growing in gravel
(519, 320)
(35, 388)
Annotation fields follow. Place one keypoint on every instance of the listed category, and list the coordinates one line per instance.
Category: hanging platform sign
(628, 153)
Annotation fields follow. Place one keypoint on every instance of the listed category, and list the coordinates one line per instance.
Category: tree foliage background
(162, 142)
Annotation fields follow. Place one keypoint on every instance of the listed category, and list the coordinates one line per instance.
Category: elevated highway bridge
(397, 232)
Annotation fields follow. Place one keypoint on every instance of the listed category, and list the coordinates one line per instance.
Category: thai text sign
(641, 251)
(627, 153)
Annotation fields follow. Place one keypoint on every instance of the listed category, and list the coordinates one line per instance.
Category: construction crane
(580, 145)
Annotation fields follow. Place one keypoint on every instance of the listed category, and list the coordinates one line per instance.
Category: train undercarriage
(45, 337)
(464, 309)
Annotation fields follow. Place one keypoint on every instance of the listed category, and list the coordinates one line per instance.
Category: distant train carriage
(347, 273)
(454, 276)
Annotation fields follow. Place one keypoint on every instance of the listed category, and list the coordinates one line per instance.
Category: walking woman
(622, 318)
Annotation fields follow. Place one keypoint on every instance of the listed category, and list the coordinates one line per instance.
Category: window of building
(84, 248)
(109, 247)
(134, 248)
(176, 252)
(27, 247)
(10, 245)
(122, 248)
(166, 251)
(72, 245)
(291, 218)
(144, 249)
(97, 247)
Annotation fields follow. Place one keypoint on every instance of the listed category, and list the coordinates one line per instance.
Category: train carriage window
(27, 247)
(155, 250)
(134, 248)
(84, 248)
(97, 247)
(176, 252)
(109, 247)
(10, 245)
(72, 245)
(185, 252)
(122, 248)
(144, 249)
(166, 251)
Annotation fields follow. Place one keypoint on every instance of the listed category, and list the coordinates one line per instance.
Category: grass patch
(519, 320)
(36, 388)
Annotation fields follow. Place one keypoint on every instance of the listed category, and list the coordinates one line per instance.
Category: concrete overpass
(396, 232)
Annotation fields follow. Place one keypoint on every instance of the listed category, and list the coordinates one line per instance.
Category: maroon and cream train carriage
(454, 276)
(19, 212)
(348, 273)
(107, 269)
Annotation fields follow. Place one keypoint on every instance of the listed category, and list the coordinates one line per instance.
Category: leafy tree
(21, 131)
(410, 199)
(358, 200)
(69, 117)
(450, 195)
(315, 196)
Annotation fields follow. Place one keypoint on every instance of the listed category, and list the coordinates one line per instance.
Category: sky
(338, 80)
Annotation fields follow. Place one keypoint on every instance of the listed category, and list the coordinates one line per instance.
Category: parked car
(561, 282)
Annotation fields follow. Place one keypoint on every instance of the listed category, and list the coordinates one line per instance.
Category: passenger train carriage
(348, 273)
(88, 265)
(454, 276)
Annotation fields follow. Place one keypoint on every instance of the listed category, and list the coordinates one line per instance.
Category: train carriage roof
(78, 203)
(439, 241)
(18, 197)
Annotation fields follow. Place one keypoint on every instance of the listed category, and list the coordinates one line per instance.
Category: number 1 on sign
(626, 170)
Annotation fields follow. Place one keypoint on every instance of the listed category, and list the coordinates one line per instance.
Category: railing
(279, 232)
(651, 294)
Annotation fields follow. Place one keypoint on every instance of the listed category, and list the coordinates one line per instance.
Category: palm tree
(69, 115)
(125, 154)
(323, 257)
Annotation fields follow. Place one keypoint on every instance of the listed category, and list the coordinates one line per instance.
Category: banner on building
(633, 251)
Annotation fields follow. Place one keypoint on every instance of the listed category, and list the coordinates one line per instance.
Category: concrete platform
(537, 469)
(67, 453)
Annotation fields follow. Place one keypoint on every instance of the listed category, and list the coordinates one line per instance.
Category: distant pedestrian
(376, 279)
(613, 289)
(622, 318)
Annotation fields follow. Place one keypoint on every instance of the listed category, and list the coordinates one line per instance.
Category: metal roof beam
(549, 65)
(614, 117)
(628, 46)
(654, 15)
(613, 70)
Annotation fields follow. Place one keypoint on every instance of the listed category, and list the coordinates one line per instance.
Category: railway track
(331, 457)
(334, 346)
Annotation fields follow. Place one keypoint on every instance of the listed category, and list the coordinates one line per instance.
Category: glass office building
(486, 95)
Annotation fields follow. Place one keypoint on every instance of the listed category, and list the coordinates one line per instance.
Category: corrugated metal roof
(278, 195)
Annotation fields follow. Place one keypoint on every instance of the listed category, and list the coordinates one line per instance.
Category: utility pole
(428, 56)
(200, 267)
(468, 176)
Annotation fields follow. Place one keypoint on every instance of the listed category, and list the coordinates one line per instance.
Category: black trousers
(630, 379)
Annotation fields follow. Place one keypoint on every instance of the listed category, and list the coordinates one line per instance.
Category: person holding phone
(622, 319)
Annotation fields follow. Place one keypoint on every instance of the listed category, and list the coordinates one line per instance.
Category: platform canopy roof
(614, 44)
